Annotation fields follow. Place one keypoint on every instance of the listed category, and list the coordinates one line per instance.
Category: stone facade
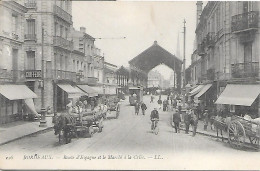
(227, 44)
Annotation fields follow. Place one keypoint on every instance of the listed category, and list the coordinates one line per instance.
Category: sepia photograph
(129, 85)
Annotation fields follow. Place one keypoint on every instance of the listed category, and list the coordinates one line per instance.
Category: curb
(201, 133)
(31, 134)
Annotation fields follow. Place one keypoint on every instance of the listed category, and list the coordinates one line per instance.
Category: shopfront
(241, 99)
(65, 94)
(16, 103)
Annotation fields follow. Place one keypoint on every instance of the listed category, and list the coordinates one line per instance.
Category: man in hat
(154, 115)
(176, 118)
(187, 120)
(206, 119)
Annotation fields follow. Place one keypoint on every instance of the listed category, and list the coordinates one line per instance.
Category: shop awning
(16, 92)
(30, 105)
(196, 90)
(235, 94)
(72, 91)
(204, 89)
(88, 90)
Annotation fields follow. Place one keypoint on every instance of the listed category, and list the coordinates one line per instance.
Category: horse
(64, 125)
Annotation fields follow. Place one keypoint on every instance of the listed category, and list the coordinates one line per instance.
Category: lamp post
(43, 110)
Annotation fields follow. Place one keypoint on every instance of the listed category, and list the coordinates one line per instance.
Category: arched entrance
(150, 58)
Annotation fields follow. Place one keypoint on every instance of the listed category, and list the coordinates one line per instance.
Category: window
(14, 24)
(61, 31)
(73, 65)
(248, 52)
(30, 26)
(66, 33)
(30, 60)
(66, 63)
(56, 29)
(61, 62)
(77, 66)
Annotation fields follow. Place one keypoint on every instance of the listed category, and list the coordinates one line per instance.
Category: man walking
(176, 118)
(143, 107)
(187, 120)
(151, 99)
(194, 123)
(206, 119)
(137, 107)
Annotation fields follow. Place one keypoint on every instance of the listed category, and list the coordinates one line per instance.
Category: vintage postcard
(129, 85)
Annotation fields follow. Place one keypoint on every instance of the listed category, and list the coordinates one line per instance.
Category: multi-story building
(15, 96)
(110, 78)
(83, 58)
(227, 51)
(48, 46)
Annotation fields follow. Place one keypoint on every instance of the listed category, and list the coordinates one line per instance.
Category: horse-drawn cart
(238, 130)
(78, 125)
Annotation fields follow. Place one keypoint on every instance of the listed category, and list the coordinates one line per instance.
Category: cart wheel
(236, 134)
(254, 141)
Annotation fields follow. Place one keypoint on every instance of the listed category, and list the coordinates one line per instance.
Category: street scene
(127, 85)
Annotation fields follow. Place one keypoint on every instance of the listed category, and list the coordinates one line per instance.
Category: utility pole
(184, 60)
(43, 110)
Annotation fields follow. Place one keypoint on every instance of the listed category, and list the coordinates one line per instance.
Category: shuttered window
(30, 26)
(30, 60)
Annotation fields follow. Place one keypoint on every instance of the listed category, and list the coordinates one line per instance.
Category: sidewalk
(17, 130)
(200, 130)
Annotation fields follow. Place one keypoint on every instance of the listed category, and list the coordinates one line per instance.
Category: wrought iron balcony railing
(66, 75)
(243, 70)
(245, 21)
(11, 75)
(62, 14)
(210, 39)
(30, 4)
(30, 37)
(63, 43)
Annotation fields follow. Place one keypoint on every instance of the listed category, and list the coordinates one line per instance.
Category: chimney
(83, 29)
(199, 11)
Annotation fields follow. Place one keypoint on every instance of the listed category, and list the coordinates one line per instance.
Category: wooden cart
(241, 132)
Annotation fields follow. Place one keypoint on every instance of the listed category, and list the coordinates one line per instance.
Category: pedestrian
(151, 99)
(137, 107)
(194, 123)
(164, 105)
(176, 118)
(159, 103)
(143, 107)
(206, 119)
(187, 120)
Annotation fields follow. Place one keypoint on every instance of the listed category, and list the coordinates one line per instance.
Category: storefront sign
(33, 74)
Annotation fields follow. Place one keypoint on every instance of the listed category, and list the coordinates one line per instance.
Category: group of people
(190, 119)
(139, 105)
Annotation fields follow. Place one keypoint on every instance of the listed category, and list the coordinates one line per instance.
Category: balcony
(66, 75)
(210, 39)
(201, 49)
(91, 80)
(59, 12)
(245, 22)
(30, 37)
(30, 4)
(244, 70)
(63, 43)
(11, 75)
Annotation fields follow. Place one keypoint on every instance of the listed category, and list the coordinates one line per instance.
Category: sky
(141, 23)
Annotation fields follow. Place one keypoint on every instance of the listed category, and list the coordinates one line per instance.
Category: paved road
(130, 135)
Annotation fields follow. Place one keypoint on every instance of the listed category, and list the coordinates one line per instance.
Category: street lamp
(43, 122)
